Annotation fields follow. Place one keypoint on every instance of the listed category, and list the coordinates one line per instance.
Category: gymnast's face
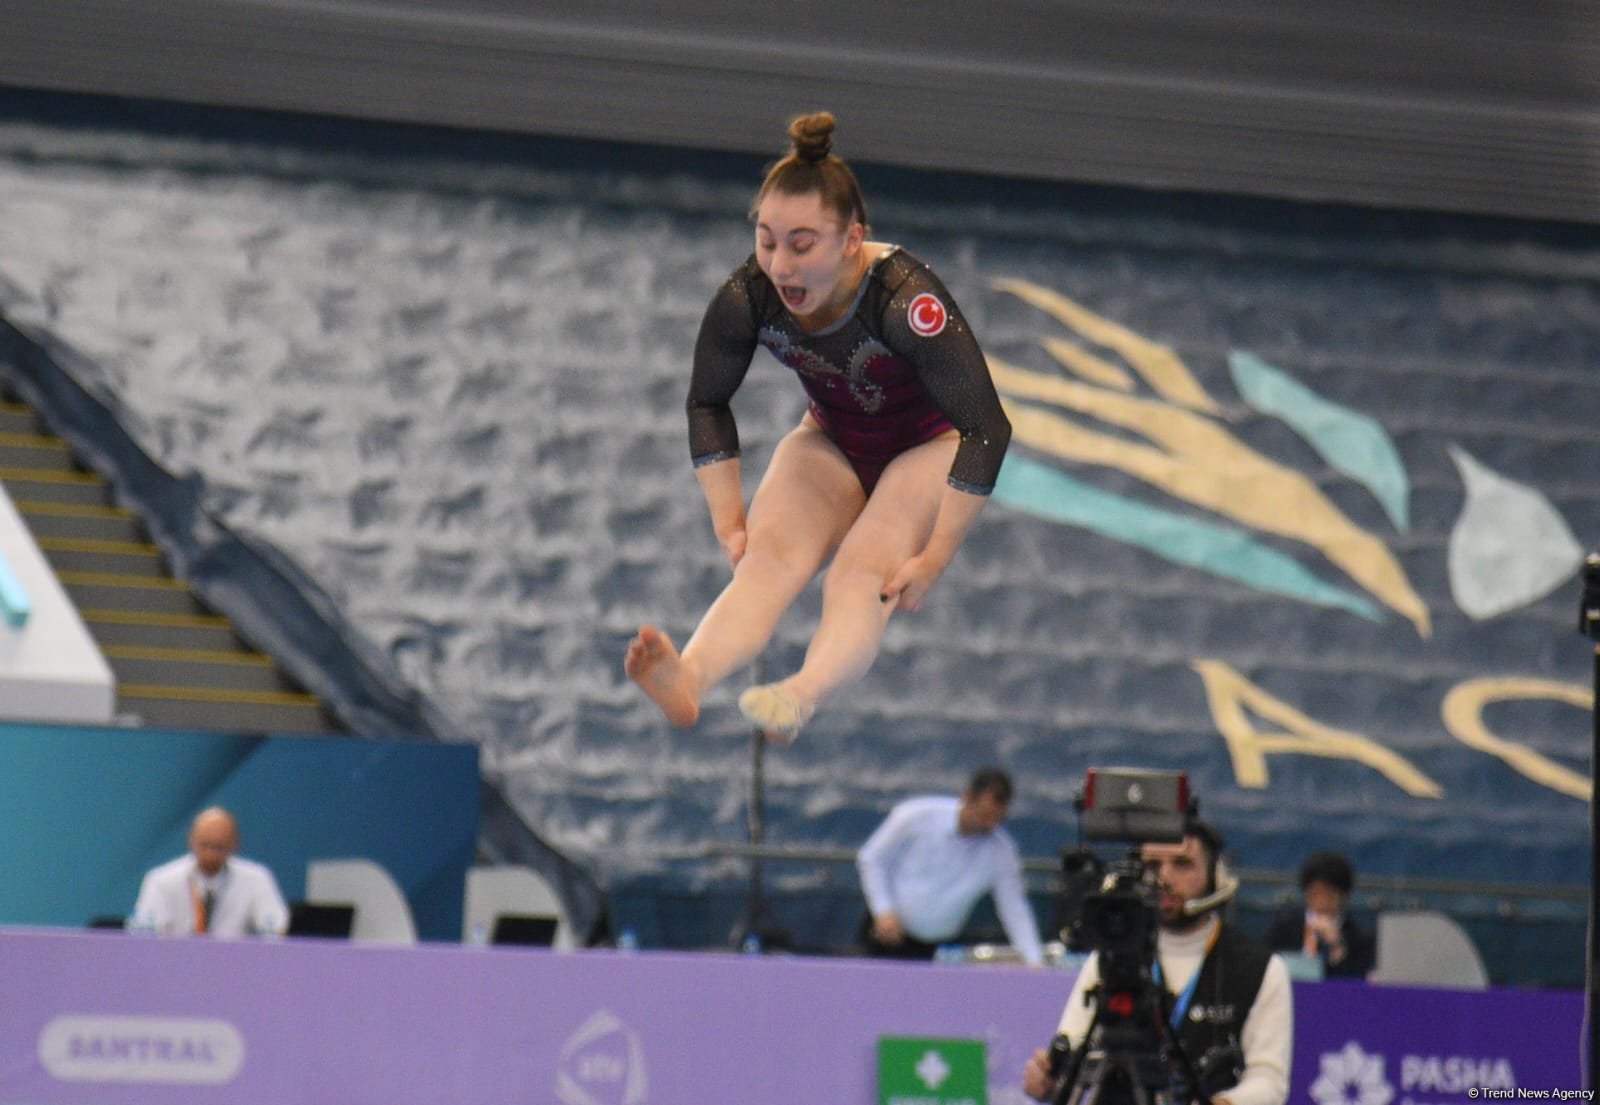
(812, 260)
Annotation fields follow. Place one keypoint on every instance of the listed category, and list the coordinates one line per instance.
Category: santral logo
(602, 1063)
(187, 1051)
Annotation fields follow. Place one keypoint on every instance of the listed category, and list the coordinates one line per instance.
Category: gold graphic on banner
(1463, 716)
(1231, 695)
(1191, 456)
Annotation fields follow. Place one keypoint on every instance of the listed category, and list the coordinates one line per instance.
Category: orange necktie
(202, 910)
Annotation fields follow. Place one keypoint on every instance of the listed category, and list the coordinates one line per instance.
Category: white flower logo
(1351, 1077)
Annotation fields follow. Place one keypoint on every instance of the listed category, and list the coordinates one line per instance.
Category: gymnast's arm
(952, 367)
(722, 354)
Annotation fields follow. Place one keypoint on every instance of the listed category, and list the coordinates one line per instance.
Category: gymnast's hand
(913, 580)
(733, 543)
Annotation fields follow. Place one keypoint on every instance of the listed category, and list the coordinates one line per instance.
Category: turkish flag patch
(927, 315)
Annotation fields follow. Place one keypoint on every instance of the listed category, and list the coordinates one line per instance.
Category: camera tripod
(1125, 1058)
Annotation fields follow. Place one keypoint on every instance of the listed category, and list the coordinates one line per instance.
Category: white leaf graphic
(1509, 547)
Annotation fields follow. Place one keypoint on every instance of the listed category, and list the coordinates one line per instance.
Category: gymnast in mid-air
(896, 454)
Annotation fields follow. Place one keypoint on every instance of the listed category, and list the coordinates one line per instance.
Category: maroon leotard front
(900, 368)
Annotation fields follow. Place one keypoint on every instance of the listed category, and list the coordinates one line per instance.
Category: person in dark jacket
(1227, 998)
(1323, 929)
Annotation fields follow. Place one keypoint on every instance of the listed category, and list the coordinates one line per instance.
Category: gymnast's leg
(894, 526)
(802, 509)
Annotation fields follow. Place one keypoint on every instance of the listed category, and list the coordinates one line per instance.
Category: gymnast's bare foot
(655, 665)
(777, 710)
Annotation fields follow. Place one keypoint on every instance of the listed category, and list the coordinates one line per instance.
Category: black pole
(756, 827)
(1589, 626)
(756, 930)
(1593, 1006)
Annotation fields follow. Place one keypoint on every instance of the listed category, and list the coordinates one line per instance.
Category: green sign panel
(918, 1071)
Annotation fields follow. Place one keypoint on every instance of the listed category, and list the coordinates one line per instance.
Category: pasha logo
(602, 1063)
(927, 315)
(186, 1051)
(1351, 1077)
(1456, 1074)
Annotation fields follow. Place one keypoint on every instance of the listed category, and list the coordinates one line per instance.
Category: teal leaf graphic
(1042, 491)
(1353, 444)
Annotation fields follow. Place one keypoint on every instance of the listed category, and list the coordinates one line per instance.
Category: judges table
(94, 1018)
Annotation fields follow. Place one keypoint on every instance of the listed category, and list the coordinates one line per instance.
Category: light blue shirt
(918, 866)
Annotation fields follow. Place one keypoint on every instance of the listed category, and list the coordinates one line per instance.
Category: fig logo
(602, 1064)
(927, 315)
(184, 1051)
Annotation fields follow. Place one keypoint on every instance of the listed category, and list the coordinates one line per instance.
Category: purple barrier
(97, 1019)
(1388, 1045)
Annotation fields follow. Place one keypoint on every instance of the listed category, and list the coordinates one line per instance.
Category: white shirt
(1267, 1038)
(919, 866)
(246, 900)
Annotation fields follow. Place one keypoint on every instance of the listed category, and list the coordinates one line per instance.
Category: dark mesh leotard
(900, 368)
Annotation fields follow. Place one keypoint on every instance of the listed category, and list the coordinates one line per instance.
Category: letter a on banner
(1233, 698)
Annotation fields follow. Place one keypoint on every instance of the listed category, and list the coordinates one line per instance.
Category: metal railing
(1373, 888)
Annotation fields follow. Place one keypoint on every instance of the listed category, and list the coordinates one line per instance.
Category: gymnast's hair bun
(812, 136)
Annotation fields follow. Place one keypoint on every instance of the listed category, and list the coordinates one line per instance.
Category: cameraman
(1226, 989)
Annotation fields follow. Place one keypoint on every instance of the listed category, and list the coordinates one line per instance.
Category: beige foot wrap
(775, 711)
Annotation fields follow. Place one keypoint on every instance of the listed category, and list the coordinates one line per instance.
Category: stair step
(135, 558)
(53, 485)
(160, 630)
(222, 710)
(35, 451)
(235, 670)
(18, 418)
(113, 591)
(80, 521)
(177, 664)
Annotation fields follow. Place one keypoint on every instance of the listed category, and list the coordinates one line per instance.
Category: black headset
(1221, 885)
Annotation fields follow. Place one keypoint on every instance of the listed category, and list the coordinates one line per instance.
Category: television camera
(1130, 1054)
